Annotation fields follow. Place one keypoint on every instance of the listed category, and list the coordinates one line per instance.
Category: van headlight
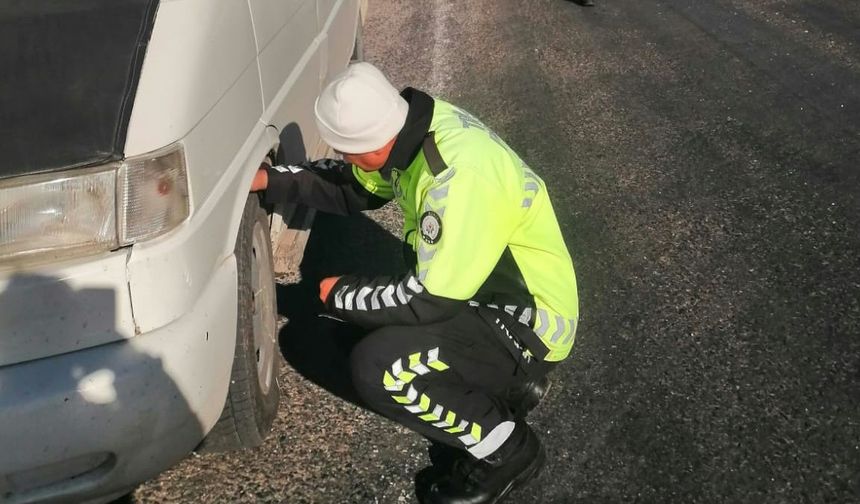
(80, 212)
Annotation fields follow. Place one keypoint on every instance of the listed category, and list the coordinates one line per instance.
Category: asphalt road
(702, 157)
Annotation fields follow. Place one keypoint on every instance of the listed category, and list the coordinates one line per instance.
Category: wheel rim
(263, 295)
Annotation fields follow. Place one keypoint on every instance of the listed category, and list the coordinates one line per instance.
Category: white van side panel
(200, 85)
(339, 25)
(285, 52)
(223, 146)
(291, 103)
(213, 144)
(324, 8)
(270, 17)
(290, 65)
(198, 50)
(167, 275)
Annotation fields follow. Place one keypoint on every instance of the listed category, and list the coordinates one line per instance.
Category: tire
(253, 396)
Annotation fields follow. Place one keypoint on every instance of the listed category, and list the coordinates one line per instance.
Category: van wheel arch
(253, 393)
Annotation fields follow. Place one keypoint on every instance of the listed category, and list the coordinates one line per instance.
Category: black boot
(443, 458)
(488, 481)
(525, 398)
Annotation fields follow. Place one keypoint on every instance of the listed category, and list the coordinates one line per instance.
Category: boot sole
(523, 477)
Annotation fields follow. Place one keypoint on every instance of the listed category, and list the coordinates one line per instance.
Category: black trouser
(448, 381)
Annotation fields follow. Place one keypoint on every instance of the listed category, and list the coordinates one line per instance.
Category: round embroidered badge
(431, 227)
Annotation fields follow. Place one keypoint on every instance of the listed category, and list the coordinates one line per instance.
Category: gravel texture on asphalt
(702, 158)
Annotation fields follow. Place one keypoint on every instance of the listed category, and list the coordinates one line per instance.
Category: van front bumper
(89, 423)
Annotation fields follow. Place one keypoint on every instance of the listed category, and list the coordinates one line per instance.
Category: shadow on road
(319, 347)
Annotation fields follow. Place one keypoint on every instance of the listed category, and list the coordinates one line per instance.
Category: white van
(137, 301)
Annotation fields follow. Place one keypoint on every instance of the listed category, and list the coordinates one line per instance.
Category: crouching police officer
(459, 346)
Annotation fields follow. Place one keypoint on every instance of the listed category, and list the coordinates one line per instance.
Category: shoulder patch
(430, 225)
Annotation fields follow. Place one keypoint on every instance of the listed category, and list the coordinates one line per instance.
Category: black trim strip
(431, 154)
(414, 130)
(134, 72)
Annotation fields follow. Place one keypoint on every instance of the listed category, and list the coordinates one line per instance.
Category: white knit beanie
(359, 111)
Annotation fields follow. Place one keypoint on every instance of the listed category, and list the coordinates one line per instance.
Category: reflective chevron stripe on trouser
(398, 381)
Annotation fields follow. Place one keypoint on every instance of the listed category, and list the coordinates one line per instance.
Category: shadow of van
(291, 146)
(89, 423)
(319, 347)
(316, 346)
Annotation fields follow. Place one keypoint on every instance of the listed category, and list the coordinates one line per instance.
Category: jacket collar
(412, 134)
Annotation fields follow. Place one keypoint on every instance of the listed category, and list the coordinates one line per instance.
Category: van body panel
(61, 308)
(324, 10)
(128, 354)
(291, 106)
(290, 51)
(289, 67)
(217, 140)
(270, 17)
(146, 401)
(166, 275)
(198, 50)
(339, 27)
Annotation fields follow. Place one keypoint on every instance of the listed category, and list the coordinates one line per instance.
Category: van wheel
(252, 399)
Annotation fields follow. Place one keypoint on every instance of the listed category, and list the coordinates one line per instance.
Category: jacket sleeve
(384, 301)
(327, 185)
